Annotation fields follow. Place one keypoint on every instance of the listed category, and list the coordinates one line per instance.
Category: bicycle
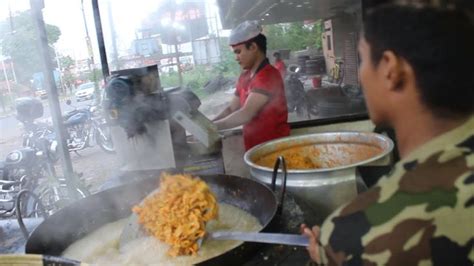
(54, 193)
(46, 198)
(9, 190)
(22, 169)
(33, 170)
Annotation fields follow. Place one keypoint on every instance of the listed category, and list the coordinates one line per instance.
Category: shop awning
(232, 12)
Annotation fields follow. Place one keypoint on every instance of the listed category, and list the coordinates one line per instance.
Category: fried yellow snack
(178, 212)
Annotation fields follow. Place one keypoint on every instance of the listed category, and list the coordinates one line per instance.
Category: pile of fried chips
(178, 212)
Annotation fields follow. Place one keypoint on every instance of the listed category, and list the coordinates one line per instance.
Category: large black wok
(75, 221)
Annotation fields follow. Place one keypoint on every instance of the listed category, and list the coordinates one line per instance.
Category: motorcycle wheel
(29, 205)
(53, 202)
(104, 140)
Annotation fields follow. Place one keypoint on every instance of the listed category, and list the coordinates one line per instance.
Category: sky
(67, 15)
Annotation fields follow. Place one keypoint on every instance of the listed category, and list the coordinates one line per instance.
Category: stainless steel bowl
(324, 189)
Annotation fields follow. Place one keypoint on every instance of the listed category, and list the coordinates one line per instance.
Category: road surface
(95, 165)
(11, 129)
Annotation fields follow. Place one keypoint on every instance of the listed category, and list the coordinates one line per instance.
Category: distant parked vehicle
(296, 96)
(85, 92)
(85, 126)
(23, 168)
(39, 83)
(41, 93)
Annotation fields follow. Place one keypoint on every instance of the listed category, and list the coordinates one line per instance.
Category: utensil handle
(280, 160)
(271, 238)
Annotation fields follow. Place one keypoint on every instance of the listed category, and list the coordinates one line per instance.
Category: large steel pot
(324, 189)
(77, 220)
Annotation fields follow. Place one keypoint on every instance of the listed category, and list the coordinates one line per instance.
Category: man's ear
(393, 70)
(253, 47)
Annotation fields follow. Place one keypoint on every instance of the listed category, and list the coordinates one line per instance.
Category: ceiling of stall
(279, 11)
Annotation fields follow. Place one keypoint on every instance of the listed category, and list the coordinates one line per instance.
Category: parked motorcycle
(296, 96)
(30, 170)
(22, 170)
(84, 125)
(31, 167)
(29, 185)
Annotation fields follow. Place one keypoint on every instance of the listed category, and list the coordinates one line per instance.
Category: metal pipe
(175, 39)
(90, 52)
(180, 74)
(36, 7)
(100, 39)
(13, 71)
(115, 56)
(58, 62)
(7, 81)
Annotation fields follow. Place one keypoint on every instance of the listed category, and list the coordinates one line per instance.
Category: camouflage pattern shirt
(420, 214)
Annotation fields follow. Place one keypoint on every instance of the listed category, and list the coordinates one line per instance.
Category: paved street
(95, 165)
(10, 127)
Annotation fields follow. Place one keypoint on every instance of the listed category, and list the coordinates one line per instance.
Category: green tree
(20, 42)
(69, 79)
(294, 36)
(228, 67)
(66, 62)
(95, 75)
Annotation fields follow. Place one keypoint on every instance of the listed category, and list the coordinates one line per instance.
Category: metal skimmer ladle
(134, 230)
(271, 238)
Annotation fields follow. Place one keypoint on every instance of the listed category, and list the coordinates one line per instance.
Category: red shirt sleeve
(271, 121)
(268, 81)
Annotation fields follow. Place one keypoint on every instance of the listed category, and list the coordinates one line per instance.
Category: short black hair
(261, 42)
(277, 54)
(438, 43)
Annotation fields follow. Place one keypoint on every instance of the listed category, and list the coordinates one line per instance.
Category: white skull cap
(244, 31)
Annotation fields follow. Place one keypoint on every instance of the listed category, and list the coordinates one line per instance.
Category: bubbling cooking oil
(101, 246)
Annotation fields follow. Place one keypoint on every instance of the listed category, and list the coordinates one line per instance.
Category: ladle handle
(280, 160)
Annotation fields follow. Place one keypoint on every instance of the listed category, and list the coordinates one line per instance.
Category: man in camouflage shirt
(416, 70)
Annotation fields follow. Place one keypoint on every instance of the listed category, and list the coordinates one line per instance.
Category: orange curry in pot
(316, 156)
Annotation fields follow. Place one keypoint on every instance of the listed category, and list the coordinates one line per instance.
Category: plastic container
(316, 82)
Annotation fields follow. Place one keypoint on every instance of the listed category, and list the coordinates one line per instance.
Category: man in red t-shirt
(259, 103)
(279, 64)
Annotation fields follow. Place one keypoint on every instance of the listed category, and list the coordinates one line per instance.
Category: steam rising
(138, 111)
